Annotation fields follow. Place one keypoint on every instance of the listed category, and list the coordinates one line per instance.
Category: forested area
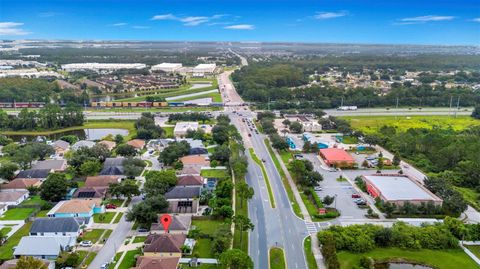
(50, 117)
(274, 83)
(37, 90)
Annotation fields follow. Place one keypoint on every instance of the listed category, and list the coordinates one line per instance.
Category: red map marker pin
(166, 220)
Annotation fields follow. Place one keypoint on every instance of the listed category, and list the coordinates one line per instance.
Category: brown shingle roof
(195, 160)
(190, 180)
(109, 144)
(144, 262)
(101, 181)
(11, 196)
(137, 143)
(21, 183)
(164, 243)
(78, 206)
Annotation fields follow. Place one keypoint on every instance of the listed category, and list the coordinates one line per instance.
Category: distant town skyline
(368, 22)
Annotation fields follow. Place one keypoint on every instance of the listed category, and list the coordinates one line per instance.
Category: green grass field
(471, 196)
(139, 239)
(104, 218)
(34, 200)
(371, 124)
(475, 249)
(129, 259)
(118, 217)
(203, 248)
(307, 247)
(277, 259)
(440, 259)
(214, 173)
(94, 235)
(6, 250)
(17, 214)
(216, 97)
(265, 176)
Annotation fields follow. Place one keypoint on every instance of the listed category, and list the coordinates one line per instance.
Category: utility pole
(341, 104)
(450, 109)
(458, 106)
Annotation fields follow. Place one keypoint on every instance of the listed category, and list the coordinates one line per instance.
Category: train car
(6, 105)
(22, 105)
(144, 104)
(36, 105)
(160, 104)
(176, 104)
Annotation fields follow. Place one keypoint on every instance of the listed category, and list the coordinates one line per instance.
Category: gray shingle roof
(42, 245)
(57, 225)
(33, 173)
(49, 164)
(179, 192)
(112, 170)
(113, 162)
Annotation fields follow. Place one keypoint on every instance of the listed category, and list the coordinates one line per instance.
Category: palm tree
(30, 263)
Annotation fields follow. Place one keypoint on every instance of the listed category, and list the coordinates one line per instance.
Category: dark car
(356, 195)
(110, 206)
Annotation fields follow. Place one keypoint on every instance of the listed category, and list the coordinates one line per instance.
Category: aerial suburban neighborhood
(136, 135)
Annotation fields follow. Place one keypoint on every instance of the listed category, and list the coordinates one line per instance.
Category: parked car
(249, 134)
(142, 230)
(318, 188)
(359, 200)
(356, 195)
(263, 160)
(86, 244)
(104, 266)
(110, 206)
(362, 203)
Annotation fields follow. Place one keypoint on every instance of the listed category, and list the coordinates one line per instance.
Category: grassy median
(277, 258)
(265, 176)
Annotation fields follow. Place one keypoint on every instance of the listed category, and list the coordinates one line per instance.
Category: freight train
(142, 104)
(22, 105)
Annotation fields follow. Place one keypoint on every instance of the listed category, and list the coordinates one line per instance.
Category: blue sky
(360, 21)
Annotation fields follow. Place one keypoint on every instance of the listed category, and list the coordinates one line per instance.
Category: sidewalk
(315, 243)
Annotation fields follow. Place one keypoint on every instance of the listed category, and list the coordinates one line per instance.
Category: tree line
(49, 117)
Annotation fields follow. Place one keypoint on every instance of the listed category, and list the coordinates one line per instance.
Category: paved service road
(399, 112)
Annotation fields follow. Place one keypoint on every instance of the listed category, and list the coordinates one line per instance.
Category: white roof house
(181, 128)
(83, 143)
(43, 247)
(167, 67)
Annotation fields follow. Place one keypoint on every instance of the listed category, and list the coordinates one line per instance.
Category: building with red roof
(337, 157)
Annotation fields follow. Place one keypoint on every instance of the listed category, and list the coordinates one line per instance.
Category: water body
(83, 134)
(392, 265)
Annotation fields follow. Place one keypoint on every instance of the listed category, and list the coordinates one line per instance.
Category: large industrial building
(337, 157)
(202, 70)
(167, 67)
(398, 189)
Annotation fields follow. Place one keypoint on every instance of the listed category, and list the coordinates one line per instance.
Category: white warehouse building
(203, 69)
(167, 67)
(98, 67)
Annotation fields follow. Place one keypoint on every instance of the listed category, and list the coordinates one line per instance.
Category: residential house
(43, 247)
(12, 264)
(40, 174)
(197, 161)
(113, 166)
(21, 184)
(164, 245)
(145, 262)
(190, 180)
(159, 144)
(101, 181)
(183, 199)
(13, 197)
(61, 147)
(138, 144)
(90, 192)
(189, 170)
(180, 225)
(72, 227)
(76, 208)
(83, 143)
(54, 165)
(109, 144)
(181, 128)
(196, 146)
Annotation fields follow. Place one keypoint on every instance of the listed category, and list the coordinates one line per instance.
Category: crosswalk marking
(311, 227)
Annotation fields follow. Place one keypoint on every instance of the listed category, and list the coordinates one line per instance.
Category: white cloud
(189, 20)
(163, 17)
(476, 20)
(240, 27)
(329, 15)
(12, 28)
(428, 18)
(119, 24)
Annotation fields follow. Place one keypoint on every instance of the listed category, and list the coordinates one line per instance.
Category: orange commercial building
(337, 157)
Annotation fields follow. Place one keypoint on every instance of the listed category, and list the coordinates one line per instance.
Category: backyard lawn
(277, 259)
(214, 173)
(475, 249)
(440, 259)
(6, 250)
(104, 217)
(203, 246)
(139, 239)
(17, 214)
(34, 200)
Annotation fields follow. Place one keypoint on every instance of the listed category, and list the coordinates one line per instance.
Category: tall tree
(30, 263)
(54, 188)
(236, 259)
(243, 224)
(244, 191)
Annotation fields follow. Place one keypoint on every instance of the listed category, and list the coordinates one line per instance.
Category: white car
(86, 244)
(317, 188)
(104, 266)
